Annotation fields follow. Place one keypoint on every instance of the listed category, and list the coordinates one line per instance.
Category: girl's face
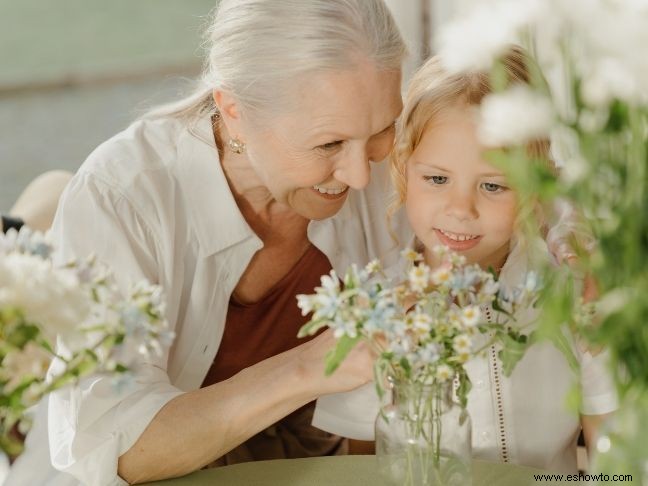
(454, 197)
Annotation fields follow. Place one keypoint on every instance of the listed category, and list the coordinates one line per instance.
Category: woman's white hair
(258, 48)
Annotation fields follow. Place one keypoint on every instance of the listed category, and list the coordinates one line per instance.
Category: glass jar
(423, 437)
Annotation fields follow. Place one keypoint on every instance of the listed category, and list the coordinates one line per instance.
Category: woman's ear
(230, 113)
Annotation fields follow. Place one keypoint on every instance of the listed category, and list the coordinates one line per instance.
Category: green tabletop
(338, 471)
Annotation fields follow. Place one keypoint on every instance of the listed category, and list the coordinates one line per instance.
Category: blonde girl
(454, 197)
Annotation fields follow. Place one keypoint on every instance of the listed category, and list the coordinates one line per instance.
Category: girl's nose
(461, 206)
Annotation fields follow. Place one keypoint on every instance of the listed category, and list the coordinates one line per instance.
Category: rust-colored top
(255, 332)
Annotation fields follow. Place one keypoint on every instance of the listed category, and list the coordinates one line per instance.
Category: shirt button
(485, 436)
(480, 384)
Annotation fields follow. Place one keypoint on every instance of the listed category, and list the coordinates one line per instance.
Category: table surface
(338, 471)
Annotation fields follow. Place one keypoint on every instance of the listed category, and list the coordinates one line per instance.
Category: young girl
(454, 197)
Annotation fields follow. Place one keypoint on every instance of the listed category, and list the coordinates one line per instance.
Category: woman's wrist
(308, 375)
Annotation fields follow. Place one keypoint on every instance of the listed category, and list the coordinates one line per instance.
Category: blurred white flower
(609, 79)
(411, 255)
(475, 40)
(421, 322)
(51, 297)
(470, 316)
(603, 37)
(306, 303)
(592, 121)
(30, 362)
(429, 354)
(75, 310)
(441, 275)
(489, 289)
(331, 282)
(342, 327)
(373, 266)
(462, 344)
(444, 373)
(574, 169)
(514, 117)
(419, 277)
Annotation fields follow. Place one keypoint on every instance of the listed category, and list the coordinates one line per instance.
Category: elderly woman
(234, 200)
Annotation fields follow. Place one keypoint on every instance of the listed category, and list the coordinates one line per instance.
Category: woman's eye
(389, 129)
(330, 146)
(492, 187)
(437, 180)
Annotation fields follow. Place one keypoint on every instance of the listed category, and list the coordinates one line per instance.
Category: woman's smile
(330, 192)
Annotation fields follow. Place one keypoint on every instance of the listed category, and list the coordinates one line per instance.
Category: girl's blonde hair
(257, 49)
(433, 90)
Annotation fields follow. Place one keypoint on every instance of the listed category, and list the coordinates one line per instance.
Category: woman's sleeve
(598, 392)
(92, 424)
(351, 414)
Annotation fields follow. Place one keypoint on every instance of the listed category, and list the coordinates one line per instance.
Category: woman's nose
(354, 171)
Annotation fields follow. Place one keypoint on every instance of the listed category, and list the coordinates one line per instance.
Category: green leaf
(23, 334)
(618, 118)
(513, 351)
(311, 327)
(560, 341)
(335, 357)
(381, 368)
(573, 399)
(406, 367)
(465, 385)
(120, 368)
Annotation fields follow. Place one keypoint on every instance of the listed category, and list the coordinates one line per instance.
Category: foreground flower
(444, 373)
(514, 117)
(476, 40)
(78, 305)
(419, 277)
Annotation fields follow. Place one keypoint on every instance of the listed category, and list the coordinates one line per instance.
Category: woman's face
(310, 158)
(454, 197)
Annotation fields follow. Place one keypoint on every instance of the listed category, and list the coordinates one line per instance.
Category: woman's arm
(198, 427)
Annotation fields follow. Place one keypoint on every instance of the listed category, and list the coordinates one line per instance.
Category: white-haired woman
(234, 200)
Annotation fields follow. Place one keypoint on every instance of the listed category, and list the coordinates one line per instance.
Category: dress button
(480, 384)
(485, 436)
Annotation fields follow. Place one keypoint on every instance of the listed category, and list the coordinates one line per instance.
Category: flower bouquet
(424, 329)
(98, 329)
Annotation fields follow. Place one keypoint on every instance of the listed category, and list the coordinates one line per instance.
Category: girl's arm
(591, 425)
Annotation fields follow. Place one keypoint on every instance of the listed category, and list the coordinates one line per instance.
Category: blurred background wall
(75, 72)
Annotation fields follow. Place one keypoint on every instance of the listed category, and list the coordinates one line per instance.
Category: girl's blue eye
(492, 187)
(436, 180)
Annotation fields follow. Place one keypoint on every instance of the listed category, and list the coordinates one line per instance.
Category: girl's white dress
(523, 418)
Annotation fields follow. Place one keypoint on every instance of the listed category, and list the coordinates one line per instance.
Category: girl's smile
(456, 241)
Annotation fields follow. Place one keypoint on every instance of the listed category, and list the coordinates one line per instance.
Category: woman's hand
(356, 369)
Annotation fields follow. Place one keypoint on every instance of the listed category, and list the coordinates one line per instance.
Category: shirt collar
(216, 218)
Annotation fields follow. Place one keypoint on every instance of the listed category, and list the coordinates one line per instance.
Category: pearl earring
(236, 145)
